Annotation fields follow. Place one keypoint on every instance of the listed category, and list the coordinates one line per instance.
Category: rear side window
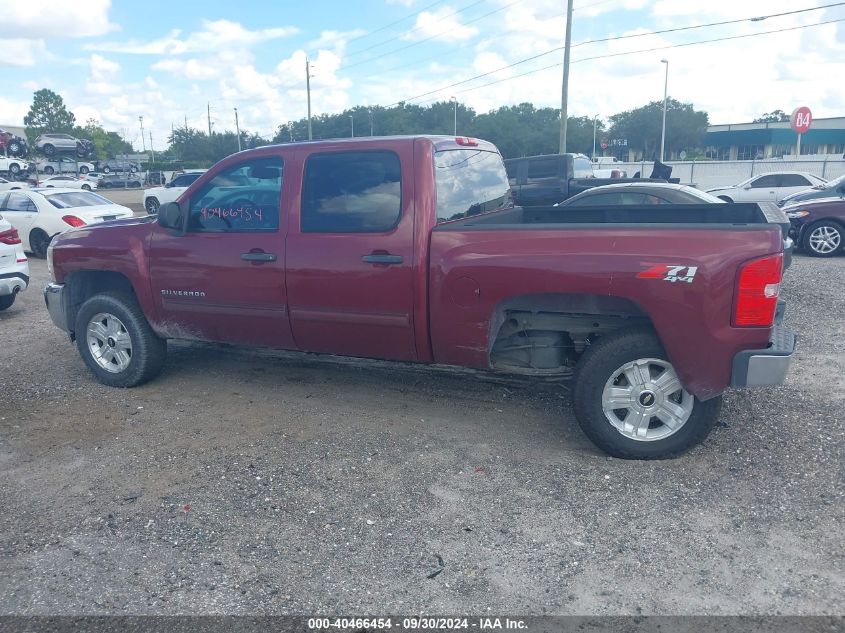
(242, 198)
(469, 182)
(351, 192)
(582, 168)
(19, 202)
(794, 180)
(542, 168)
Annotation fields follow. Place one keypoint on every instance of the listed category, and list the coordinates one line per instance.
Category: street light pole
(564, 92)
(665, 98)
(238, 129)
(143, 140)
(456, 113)
(352, 123)
(371, 121)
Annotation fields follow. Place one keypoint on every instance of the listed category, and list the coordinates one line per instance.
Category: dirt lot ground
(253, 482)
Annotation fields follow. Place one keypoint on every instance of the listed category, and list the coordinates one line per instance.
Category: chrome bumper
(54, 298)
(763, 367)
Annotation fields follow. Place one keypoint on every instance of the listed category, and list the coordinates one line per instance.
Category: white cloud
(440, 25)
(193, 69)
(21, 52)
(216, 35)
(39, 19)
(13, 111)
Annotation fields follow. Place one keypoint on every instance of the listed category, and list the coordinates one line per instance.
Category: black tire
(83, 170)
(106, 169)
(598, 365)
(49, 170)
(6, 301)
(16, 148)
(86, 187)
(149, 352)
(38, 243)
(48, 150)
(725, 198)
(835, 232)
(152, 205)
(14, 169)
(135, 184)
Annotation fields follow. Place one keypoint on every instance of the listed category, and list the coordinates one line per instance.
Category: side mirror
(170, 216)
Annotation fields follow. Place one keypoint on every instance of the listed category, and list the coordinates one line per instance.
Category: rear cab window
(469, 182)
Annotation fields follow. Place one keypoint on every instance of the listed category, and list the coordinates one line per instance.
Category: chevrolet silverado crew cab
(410, 249)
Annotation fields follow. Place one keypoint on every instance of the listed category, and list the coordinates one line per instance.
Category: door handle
(382, 258)
(259, 257)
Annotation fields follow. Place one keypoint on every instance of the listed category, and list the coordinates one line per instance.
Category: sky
(169, 62)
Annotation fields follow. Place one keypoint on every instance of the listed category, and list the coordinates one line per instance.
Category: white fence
(722, 173)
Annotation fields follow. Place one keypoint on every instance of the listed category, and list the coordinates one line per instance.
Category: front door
(350, 254)
(223, 279)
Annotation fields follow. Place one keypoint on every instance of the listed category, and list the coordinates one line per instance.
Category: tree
(48, 113)
(106, 144)
(775, 116)
(685, 127)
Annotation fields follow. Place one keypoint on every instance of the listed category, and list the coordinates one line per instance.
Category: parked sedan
(14, 266)
(6, 185)
(639, 193)
(818, 226)
(116, 181)
(68, 182)
(831, 189)
(768, 187)
(41, 214)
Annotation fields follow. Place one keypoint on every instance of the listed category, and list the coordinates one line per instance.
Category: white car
(14, 166)
(771, 187)
(41, 214)
(6, 185)
(156, 197)
(14, 266)
(63, 165)
(67, 182)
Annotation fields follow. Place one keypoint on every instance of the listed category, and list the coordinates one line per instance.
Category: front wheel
(14, 169)
(38, 243)
(106, 169)
(49, 170)
(83, 170)
(152, 205)
(823, 239)
(6, 301)
(48, 150)
(86, 187)
(116, 342)
(631, 404)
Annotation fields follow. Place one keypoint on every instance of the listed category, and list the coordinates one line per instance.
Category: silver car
(51, 144)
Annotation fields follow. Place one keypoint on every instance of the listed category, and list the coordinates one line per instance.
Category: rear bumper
(56, 306)
(763, 367)
(13, 282)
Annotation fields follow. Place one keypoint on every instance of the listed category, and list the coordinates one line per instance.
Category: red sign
(604, 143)
(802, 119)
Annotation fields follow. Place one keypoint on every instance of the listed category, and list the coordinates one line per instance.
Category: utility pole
(238, 129)
(152, 151)
(186, 122)
(455, 100)
(371, 121)
(352, 123)
(665, 97)
(595, 118)
(308, 90)
(208, 106)
(564, 93)
(143, 141)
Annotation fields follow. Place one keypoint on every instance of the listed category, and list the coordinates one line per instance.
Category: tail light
(10, 237)
(757, 291)
(73, 220)
(466, 141)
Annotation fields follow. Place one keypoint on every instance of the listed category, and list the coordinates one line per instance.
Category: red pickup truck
(410, 249)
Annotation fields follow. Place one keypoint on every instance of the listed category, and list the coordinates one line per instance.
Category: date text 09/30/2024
(416, 623)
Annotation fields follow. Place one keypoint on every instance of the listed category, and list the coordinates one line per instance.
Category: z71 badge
(670, 272)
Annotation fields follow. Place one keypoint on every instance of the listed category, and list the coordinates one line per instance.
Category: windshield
(70, 199)
(469, 182)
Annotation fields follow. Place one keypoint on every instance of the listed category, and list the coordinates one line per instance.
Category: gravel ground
(255, 482)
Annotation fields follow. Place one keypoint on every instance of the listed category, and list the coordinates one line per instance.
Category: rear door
(792, 183)
(21, 213)
(350, 253)
(762, 189)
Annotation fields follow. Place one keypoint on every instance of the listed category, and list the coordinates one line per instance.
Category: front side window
(601, 199)
(242, 198)
(469, 182)
(351, 192)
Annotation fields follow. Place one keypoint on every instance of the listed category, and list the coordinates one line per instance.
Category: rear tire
(14, 169)
(48, 150)
(823, 239)
(116, 341)
(106, 169)
(86, 187)
(49, 170)
(83, 170)
(6, 301)
(38, 243)
(650, 398)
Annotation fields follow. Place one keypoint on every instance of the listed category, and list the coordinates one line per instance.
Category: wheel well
(546, 334)
(81, 286)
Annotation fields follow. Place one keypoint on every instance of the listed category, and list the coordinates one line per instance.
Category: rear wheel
(6, 301)
(14, 169)
(823, 239)
(83, 170)
(106, 169)
(86, 187)
(49, 170)
(152, 205)
(48, 150)
(116, 342)
(631, 404)
(16, 148)
(38, 243)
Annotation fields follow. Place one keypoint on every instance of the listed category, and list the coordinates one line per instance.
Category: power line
(394, 23)
(608, 39)
(393, 39)
(645, 50)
